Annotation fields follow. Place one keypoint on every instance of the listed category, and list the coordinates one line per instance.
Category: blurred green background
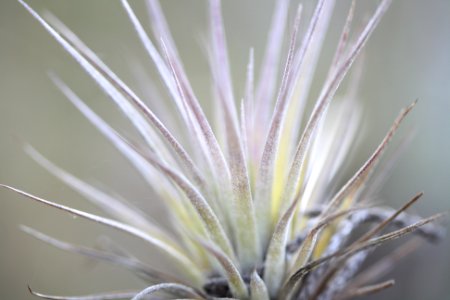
(407, 58)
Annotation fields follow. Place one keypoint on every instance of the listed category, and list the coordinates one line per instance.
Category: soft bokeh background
(408, 57)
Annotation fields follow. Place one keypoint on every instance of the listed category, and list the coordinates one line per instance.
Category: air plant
(252, 205)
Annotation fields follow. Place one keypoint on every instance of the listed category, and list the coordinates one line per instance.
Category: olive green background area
(407, 58)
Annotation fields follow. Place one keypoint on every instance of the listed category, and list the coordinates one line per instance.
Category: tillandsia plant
(250, 194)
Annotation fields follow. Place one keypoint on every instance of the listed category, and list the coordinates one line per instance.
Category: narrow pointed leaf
(123, 261)
(266, 168)
(344, 35)
(386, 167)
(276, 254)
(103, 76)
(212, 150)
(248, 107)
(243, 128)
(159, 24)
(107, 296)
(307, 58)
(300, 273)
(303, 254)
(258, 289)
(221, 62)
(175, 254)
(146, 170)
(163, 70)
(200, 204)
(209, 145)
(333, 270)
(168, 288)
(242, 209)
(322, 104)
(384, 265)
(361, 175)
(269, 67)
(118, 209)
(231, 272)
(205, 134)
(367, 290)
(377, 229)
(121, 94)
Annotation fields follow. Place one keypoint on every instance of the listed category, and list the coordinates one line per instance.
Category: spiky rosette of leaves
(252, 200)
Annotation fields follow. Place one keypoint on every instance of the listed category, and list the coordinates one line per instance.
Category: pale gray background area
(407, 58)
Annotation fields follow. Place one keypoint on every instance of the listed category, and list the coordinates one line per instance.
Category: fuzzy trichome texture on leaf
(251, 192)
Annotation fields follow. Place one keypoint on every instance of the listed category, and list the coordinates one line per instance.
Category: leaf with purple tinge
(174, 253)
(263, 194)
(324, 99)
(237, 285)
(258, 288)
(299, 274)
(127, 262)
(104, 296)
(169, 288)
(237, 194)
